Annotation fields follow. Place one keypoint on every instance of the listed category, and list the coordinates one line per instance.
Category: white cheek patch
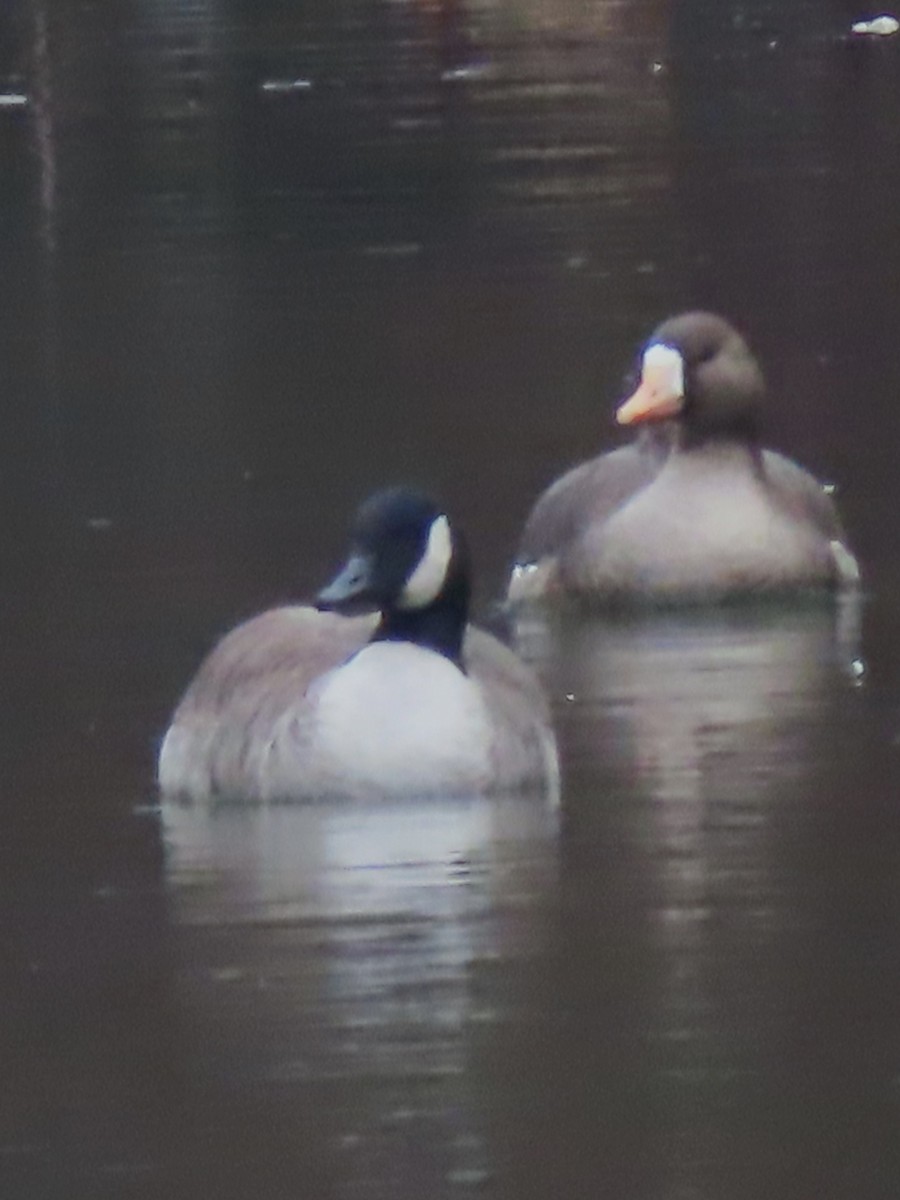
(663, 371)
(427, 580)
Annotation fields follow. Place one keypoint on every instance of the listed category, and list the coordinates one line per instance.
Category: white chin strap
(425, 583)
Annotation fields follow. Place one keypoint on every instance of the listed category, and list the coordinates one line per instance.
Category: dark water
(258, 258)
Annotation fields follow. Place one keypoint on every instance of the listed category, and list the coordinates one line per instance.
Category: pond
(262, 258)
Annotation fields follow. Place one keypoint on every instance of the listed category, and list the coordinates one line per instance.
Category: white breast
(400, 719)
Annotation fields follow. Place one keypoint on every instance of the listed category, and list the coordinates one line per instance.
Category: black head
(697, 369)
(407, 562)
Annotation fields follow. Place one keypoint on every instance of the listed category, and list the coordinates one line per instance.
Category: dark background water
(259, 258)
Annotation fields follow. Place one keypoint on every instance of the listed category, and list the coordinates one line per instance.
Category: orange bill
(661, 390)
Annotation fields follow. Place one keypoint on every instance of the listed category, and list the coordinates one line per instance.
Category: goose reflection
(691, 741)
(692, 687)
(252, 862)
(707, 718)
(357, 948)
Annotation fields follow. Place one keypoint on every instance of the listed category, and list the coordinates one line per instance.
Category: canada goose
(304, 702)
(699, 513)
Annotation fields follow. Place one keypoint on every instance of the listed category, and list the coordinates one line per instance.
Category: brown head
(699, 371)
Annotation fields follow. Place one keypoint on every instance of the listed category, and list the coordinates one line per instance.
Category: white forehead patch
(426, 581)
(663, 370)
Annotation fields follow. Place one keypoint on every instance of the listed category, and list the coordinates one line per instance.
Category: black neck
(440, 626)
